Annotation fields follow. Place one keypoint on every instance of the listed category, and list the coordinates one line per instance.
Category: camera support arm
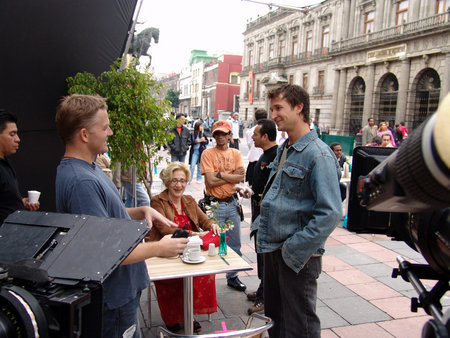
(428, 300)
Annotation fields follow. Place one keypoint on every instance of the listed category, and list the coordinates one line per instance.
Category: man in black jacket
(264, 137)
(10, 199)
(180, 144)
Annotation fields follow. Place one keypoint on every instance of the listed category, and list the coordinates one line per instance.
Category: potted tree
(139, 120)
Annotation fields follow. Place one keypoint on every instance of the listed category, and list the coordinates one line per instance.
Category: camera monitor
(360, 219)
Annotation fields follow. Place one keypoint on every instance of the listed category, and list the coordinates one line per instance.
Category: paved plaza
(357, 297)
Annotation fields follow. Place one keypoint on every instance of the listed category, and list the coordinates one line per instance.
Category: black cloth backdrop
(41, 44)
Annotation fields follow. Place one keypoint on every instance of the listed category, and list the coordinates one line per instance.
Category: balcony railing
(435, 22)
(268, 18)
(414, 27)
(282, 61)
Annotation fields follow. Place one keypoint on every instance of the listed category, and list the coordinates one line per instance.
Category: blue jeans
(141, 195)
(117, 321)
(195, 160)
(177, 158)
(290, 298)
(228, 211)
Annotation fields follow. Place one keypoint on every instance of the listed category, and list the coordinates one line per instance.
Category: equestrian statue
(140, 43)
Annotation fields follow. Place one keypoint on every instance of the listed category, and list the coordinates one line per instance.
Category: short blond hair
(166, 174)
(75, 112)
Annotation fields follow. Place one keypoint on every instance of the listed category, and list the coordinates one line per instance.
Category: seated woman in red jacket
(182, 209)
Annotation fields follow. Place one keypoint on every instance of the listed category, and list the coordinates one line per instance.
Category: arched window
(427, 96)
(356, 105)
(388, 99)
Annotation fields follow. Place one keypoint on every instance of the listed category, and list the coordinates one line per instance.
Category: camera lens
(417, 174)
(20, 314)
(6, 326)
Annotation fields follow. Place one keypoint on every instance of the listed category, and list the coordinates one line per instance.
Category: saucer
(201, 260)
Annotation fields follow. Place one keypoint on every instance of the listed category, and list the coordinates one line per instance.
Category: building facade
(185, 90)
(197, 62)
(169, 81)
(221, 85)
(389, 59)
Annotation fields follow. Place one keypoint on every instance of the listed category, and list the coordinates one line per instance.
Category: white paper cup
(193, 255)
(33, 196)
(211, 249)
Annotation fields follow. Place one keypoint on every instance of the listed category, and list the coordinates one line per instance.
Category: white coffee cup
(33, 196)
(193, 255)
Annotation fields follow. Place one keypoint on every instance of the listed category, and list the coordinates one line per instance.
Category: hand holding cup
(32, 201)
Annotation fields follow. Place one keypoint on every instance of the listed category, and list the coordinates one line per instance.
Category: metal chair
(247, 332)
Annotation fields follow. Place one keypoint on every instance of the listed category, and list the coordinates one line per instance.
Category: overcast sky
(212, 25)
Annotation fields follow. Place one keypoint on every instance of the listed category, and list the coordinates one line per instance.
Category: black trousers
(260, 267)
(290, 298)
(259, 257)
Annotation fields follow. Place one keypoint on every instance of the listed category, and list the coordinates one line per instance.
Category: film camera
(52, 267)
(405, 194)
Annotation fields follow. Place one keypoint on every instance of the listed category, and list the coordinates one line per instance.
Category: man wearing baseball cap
(223, 169)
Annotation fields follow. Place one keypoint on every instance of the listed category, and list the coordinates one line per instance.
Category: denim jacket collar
(303, 141)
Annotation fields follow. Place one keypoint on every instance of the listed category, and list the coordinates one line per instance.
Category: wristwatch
(219, 175)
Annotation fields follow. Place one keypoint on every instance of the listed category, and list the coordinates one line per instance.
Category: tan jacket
(162, 204)
(104, 163)
(120, 175)
(125, 175)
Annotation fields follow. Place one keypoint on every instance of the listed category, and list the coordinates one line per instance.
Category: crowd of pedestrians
(383, 135)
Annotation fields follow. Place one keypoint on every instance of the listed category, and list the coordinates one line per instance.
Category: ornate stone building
(389, 59)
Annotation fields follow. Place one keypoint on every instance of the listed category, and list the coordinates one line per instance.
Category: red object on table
(210, 237)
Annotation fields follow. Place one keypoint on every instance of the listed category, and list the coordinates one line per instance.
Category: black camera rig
(52, 267)
(405, 194)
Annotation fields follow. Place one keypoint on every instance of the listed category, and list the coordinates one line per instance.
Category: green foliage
(210, 210)
(174, 97)
(139, 121)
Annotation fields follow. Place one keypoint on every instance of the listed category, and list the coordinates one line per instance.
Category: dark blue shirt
(82, 188)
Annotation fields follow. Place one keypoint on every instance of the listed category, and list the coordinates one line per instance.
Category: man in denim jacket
(301, 206)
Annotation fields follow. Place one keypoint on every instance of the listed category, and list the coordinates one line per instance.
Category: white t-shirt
(235, 128)
(254, 153)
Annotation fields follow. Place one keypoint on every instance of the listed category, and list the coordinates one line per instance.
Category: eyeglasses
(175, 181)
